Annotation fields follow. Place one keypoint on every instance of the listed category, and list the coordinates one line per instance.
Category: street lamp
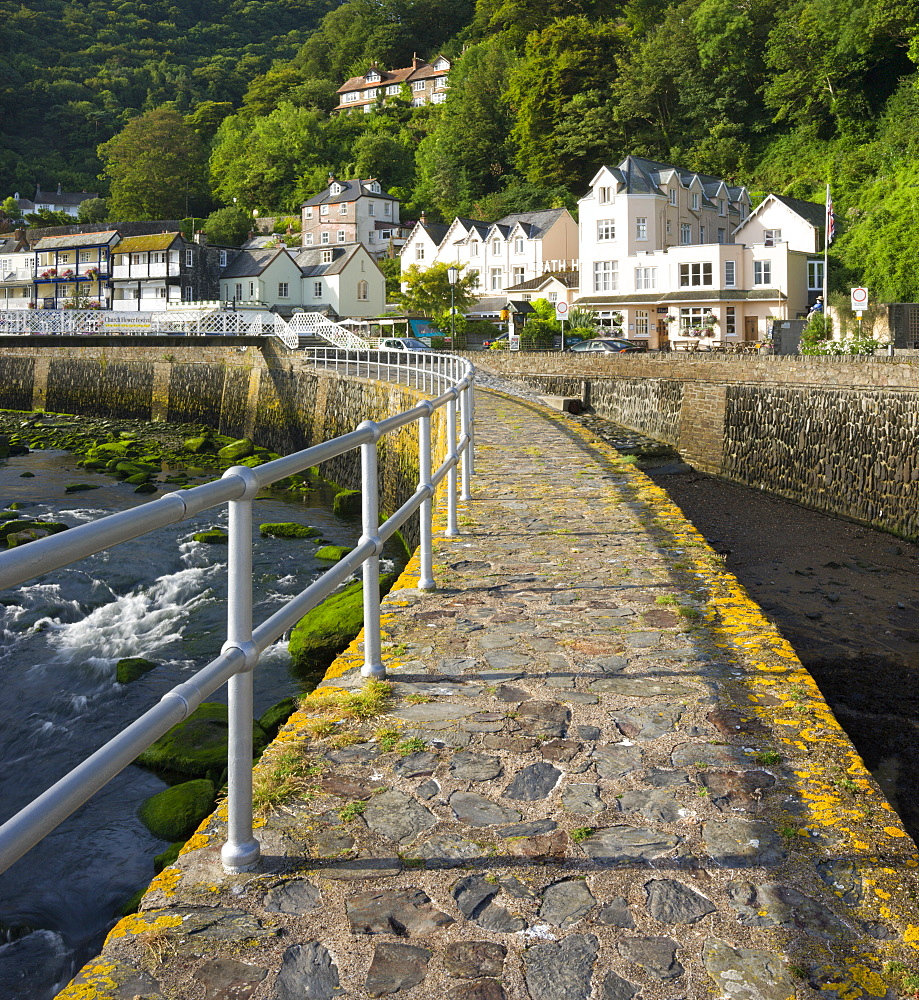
(452, 277)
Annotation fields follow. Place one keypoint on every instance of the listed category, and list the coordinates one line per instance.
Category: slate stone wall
(850, 448)
(245, 387)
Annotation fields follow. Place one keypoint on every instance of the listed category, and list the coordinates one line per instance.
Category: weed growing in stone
(581, 833)
(346, 738)
(665, 599)
(410, 746)
(286, 776)
(418, 699)
(351, 811)
(387, 737)
(373, 699)
(767, 757)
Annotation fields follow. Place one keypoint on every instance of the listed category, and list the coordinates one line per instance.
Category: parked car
(605, 345)
(403, 344)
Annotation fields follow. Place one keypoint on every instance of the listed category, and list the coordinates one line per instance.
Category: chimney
(331, 178)
(200, 238)
(416, 62)
(422, 217)
(59, 188)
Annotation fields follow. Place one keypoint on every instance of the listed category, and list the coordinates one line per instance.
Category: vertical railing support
(471, 392)
(452, 527)
(370, 509)
(426, 510)
(241, 850)
(466, 429)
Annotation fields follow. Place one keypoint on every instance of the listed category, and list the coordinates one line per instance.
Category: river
(161, 597)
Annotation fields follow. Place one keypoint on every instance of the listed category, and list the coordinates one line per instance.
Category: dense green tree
(156, 167)
(428, 292)
(93, 210)
(564, 74)
(227, 226)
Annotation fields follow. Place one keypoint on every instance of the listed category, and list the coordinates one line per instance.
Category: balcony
(137, 272)
(76, 272)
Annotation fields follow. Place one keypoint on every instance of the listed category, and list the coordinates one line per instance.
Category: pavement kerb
(779, 691)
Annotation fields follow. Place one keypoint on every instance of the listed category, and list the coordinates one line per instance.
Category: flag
(830, 217)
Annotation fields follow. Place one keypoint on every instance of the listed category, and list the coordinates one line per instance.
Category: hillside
(783, 95)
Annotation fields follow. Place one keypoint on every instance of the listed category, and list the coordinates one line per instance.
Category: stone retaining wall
(247, 387)
(836, 435)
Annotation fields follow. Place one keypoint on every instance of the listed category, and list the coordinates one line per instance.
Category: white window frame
(696, 274)
(418, 85)
(317, 289)
(308, 212)
(518, 244)
(762, 272)
(85, 257)
(189, 258)
(308, 240)
(730, 321)
(474, 248)
(327, 256)
(641, 227)
(363, 291)
(815, 275)
(324, 237)
(685, 234)
(606, 275)
(695, 201)
(496, 276)
(642, 323)
(730, 274)
(606, 229)
(772, 237)
(222, 254)
(323, 209)
(419, 251)
(342, 235)
(283, 290)
(645, 278)
(519, 275)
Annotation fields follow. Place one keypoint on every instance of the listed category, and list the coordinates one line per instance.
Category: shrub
(538, 334)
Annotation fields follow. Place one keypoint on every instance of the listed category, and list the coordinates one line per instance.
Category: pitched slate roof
(352, 190)
(250, 263)
(815, 214)
(419, 70)
(534, 224)
(311, 265)
(639, 175)
(59, 197)
(570, 279)
(79, 240)
(10, 244)
(146, 244)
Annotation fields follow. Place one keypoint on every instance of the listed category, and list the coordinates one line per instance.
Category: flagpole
(826, 260)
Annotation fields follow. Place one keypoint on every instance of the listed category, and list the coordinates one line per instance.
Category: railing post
(466, 429)
(471, 452)
(452, 527)
(241, 850)
(426, 510)
(370, 509)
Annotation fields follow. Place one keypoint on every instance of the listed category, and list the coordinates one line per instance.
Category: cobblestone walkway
(611, 778)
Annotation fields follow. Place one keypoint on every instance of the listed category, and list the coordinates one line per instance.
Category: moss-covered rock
(333, 553)
(321, 634)
(242, 448)
(198, 445)
(131, 668)
(216, 536)
(347, 503)
(146, 488)
(175, 813)
(273, 718)
(133, 904)
(288, 529)
(26, 475)
(81, 487)
(18, 525)
(138, 479)
(168, 856)
(197, 747)
(38, 529)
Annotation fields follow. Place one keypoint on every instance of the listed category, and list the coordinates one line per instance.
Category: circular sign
(859, 297)
(561, 309)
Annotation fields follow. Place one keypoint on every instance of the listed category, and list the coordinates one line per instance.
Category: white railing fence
(452, 378)
(192, 321)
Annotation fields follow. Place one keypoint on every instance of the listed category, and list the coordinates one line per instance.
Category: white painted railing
(452, 378)
(191, 320)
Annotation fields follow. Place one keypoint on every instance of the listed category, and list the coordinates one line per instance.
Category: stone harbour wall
(247, 387)
(838, 435)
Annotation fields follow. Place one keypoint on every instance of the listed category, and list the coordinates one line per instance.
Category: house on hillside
(355, 211)
(268, 279)
(341, 281)
(54, 201)
(553, 286)
(669, 252)
(73, 270)
(16, 271)
(504, 254)
(150, 273)
(426, 82)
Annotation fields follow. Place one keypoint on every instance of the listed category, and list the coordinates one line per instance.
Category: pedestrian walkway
(602, 773)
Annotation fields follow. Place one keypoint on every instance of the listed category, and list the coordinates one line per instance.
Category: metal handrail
(451, 375)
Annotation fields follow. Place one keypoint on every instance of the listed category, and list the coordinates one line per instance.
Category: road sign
(859, 299)
(514, 342)
(561, 310)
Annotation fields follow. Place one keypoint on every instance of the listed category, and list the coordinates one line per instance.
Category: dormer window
(496, 246)
(375, 187)
(326, 256)
(672, 196)
(334, 189)
(695, 201)
(372, 76)
(604, 195)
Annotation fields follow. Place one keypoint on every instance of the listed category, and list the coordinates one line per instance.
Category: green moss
(347, 503)
(321, 634)
(333, 553)
(236, 449)
(288, 529)
(168, 856)
(175, 813)
(197, 445)
(133, 667)
(80, 487)
(20, 532)
(133, 904)
(146, 488)
(273, 718)
(197, 747)
(216, 536)
(138, 479)
(26, 475)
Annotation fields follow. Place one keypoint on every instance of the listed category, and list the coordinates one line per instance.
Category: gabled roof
(146, 244)
(251, 263)
(569, 279)
(419, 70)
(810, 211)
(59, 197)
(351, 191)
(11, 244)
(311, 264)
(638, 175)
(533, 224)
(79, 240)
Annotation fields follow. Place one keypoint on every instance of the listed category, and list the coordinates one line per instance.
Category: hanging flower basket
(50, 273)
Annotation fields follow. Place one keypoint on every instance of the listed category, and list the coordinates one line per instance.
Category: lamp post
(452, 277)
